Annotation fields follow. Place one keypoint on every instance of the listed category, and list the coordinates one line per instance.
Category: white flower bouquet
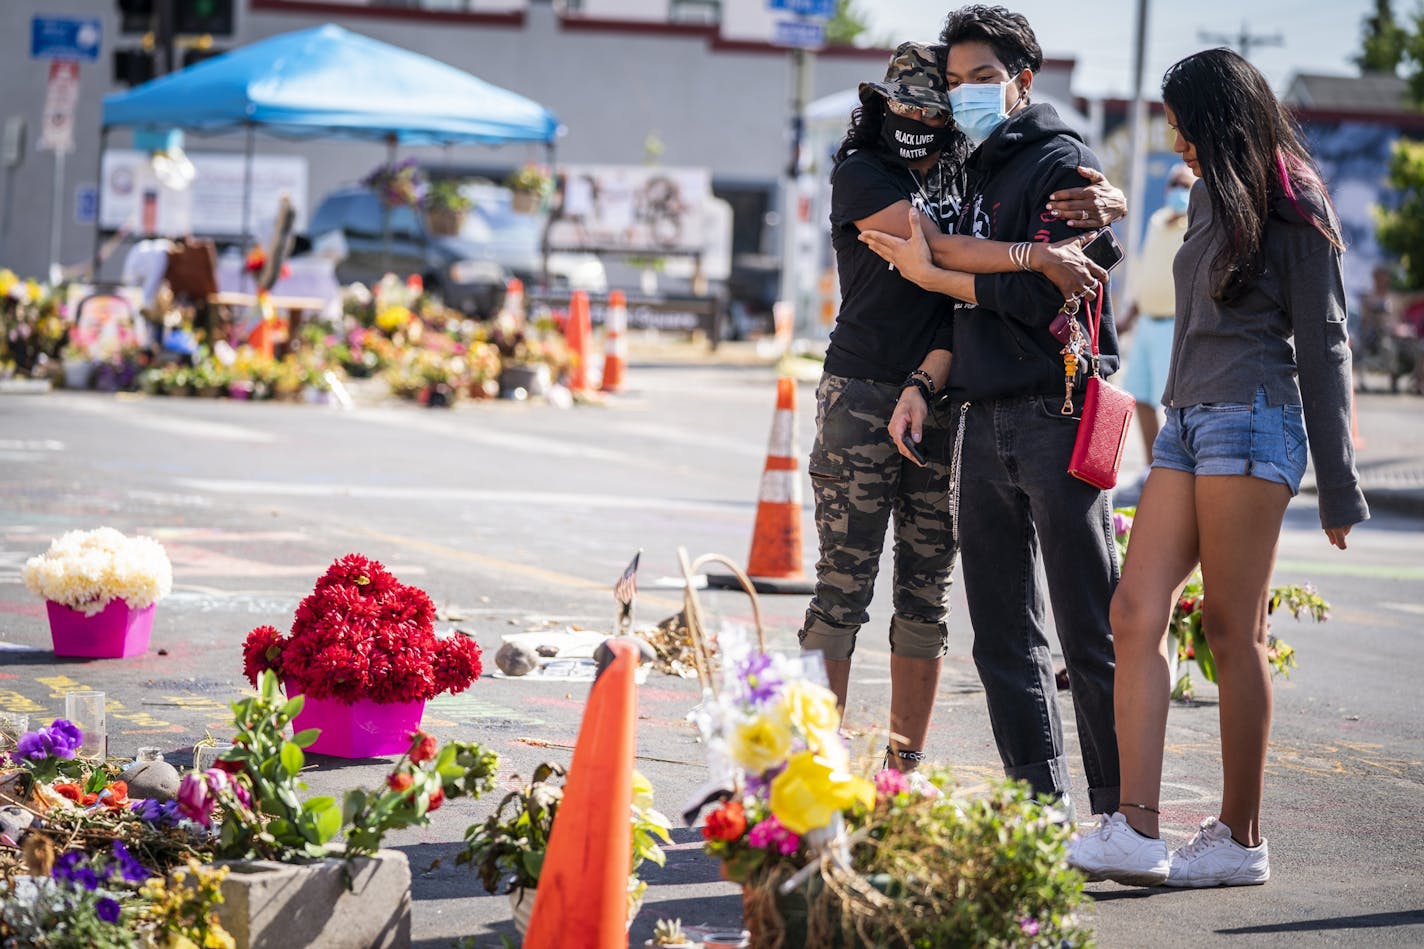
(86, 570)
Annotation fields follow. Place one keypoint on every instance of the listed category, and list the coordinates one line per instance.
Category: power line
(1244, 41)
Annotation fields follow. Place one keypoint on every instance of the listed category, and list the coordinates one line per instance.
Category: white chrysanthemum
(84, 570)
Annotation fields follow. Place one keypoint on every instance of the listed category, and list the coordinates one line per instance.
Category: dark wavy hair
(1250, 155)
(1007, 33)
(864, 128)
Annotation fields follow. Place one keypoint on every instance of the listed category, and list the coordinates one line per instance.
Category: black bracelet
(928, 380)
(921, 385)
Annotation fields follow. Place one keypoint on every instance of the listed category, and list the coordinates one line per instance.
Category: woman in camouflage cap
(901, 150)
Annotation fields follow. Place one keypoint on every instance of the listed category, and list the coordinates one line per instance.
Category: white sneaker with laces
(1115, 851)
(1212, 858)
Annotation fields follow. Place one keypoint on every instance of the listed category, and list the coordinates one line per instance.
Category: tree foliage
(1400, 231)
(846, 24)
(1382, 49)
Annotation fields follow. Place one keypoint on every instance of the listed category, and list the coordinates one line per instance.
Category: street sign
(86, 204)
(61, 95)
(65, 37)
(802, 34)
(820, 8)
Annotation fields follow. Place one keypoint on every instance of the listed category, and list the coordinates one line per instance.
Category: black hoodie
(1002, 346)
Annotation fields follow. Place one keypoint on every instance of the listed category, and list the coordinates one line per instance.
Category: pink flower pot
(359, 729)
(115, 632)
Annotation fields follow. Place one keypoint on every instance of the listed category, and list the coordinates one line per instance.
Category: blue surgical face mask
(979, 108)
(1178, 198)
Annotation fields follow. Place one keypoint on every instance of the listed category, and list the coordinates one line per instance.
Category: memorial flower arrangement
(828, 857)
(362, 634)
(85, 570)
(1189, 634)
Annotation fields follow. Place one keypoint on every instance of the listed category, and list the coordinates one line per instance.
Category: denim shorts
(1232, 438)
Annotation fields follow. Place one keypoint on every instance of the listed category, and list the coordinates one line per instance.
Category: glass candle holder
(12, 726)
(206, 753)
(149, 753)
(86, 710)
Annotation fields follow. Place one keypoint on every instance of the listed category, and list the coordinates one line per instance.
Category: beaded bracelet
(919, 384)
(929, 381)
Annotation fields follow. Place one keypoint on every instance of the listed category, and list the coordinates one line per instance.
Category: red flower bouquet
(362, 634)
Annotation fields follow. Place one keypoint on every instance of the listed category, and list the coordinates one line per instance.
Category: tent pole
(96, 261)
(247, 188)
(548, 219)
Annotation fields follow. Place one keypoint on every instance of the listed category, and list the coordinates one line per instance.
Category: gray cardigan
(1287, 333)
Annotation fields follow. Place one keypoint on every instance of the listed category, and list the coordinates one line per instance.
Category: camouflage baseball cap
(915, 76)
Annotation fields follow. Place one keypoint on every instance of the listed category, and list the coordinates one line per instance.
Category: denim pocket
(1293, 420)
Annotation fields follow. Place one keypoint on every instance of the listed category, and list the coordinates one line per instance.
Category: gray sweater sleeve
(1315, 296)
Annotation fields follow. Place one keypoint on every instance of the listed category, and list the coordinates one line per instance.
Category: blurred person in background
(1152, 311)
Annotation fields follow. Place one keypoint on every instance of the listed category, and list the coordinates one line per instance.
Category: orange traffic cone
(577, 332)
(615, 346)
(582, 898)
(774, 565)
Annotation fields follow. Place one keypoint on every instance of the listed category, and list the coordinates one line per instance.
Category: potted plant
(445, 207)
(828, 858)
(398, 183)
(101, 588)
(507, 849)
(363, 651)
(530, 184)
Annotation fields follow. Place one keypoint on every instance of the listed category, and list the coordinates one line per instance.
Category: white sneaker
(1212, 858)
(1115, 851)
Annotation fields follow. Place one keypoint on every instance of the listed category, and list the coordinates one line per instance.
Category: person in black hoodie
(1016, 507)
(901, 154)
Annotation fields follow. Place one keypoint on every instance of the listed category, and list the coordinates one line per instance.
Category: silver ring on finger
(1083, 214)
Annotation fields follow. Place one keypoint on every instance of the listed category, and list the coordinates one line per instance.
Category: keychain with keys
(1074, 347)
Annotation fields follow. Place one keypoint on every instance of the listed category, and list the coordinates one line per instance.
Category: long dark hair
(1250, 155)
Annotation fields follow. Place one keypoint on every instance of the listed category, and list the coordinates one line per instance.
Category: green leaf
(328, 822)
(292, 757)
(305, 737)
(292, 707)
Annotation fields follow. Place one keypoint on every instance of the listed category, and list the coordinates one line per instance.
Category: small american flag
(627, 586)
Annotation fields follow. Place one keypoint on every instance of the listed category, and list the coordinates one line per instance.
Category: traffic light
(133, 66)
(192, 17)
(135, 16)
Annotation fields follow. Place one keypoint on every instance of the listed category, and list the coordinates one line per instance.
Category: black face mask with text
(912, 140)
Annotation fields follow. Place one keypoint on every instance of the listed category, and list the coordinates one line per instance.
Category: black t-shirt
(886, 324)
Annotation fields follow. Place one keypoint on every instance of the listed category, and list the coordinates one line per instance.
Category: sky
(1317, 36)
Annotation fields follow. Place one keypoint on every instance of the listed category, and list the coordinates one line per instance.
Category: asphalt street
(519, 517)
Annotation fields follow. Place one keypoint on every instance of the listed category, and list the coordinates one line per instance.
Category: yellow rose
(393, 318)
(810, 708)
(810, 791)
(761, 743)
(7, 282)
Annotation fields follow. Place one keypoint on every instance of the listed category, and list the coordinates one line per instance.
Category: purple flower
(1122, 523)
(755, 670)
(107, 909)
(194, 800)
(72, 867)
(161, 814)
(61, 738)
(129, 867)
(1029, 926)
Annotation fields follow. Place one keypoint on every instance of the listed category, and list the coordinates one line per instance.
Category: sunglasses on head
(918, 112)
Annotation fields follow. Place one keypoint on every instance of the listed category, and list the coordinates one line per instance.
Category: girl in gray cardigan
(1260, 349)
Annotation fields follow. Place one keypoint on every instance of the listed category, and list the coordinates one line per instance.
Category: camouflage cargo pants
(862, 482)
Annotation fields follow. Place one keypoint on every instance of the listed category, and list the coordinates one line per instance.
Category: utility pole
(1137, 178)
(1242, 42)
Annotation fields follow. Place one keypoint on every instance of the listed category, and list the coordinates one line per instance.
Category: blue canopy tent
(328, 81)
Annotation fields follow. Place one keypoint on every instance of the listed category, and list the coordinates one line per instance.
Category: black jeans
(1019, 508)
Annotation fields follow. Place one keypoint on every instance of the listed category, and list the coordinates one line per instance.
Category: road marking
(131, 414)
(1321, 568)
(461, 496)
(30, 445)
(539, 574)
(541, 445)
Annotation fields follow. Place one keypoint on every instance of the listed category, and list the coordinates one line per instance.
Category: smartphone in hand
(914, 449)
